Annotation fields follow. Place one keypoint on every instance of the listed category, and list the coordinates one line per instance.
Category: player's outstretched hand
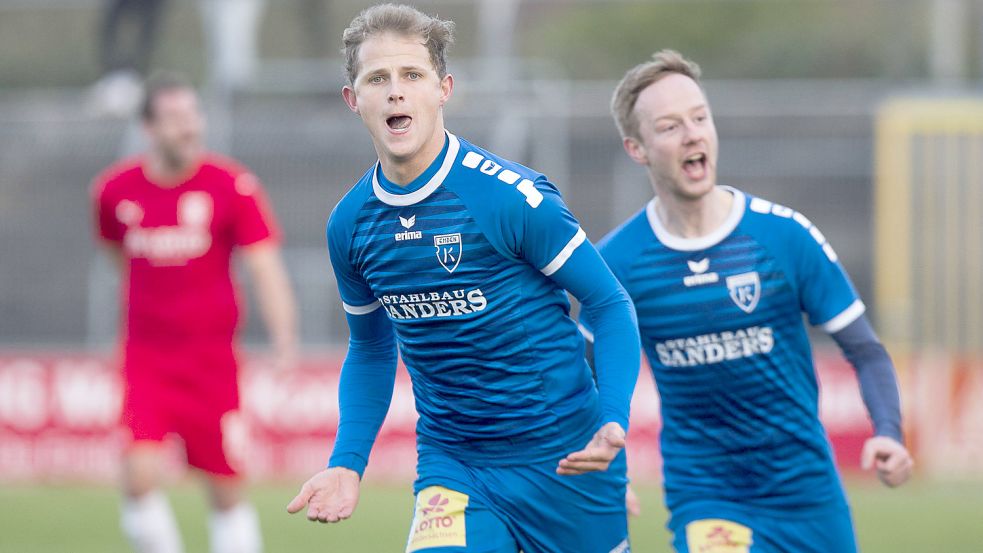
(598, 454)
(890, 458)
(330, 495)
(632, 503)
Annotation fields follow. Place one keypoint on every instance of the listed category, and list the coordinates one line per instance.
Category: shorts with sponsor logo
(726, 527)
(505, 509)
(190, 391)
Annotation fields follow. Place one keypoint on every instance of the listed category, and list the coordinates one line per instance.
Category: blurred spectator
(127, 38)
(231, 29)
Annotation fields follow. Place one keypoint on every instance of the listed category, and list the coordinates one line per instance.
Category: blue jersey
(721, 323)
(461, 261)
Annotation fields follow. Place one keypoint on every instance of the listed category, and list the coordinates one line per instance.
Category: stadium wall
(59, 413)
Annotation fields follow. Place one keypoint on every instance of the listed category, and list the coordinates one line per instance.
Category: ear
(348, 93)
(446, 88)
(635, 150)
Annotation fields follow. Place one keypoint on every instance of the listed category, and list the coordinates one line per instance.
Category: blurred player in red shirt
(172, 218)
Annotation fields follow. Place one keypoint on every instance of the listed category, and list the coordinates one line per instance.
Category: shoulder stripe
(361, 309)
(844, 319)
(565, 253)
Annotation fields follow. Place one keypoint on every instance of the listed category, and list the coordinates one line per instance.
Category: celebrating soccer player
(720, 280)
(172, 219)
(461, 259)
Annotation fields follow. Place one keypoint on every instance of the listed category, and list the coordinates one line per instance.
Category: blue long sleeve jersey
(722, 327)
(465, 269)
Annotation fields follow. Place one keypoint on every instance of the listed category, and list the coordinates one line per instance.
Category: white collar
(703, 242)
(424, 191)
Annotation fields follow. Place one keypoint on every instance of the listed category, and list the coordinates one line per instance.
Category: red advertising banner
(59, 417)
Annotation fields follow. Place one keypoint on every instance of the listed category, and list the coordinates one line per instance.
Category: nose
(395, 94)
(693, 132)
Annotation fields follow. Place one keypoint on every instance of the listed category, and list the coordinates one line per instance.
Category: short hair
(638, 78)
(404, 20)
(158, 83)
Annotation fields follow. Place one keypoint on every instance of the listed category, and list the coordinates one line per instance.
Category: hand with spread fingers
(891, 459)
(330, 495)
(597, 456)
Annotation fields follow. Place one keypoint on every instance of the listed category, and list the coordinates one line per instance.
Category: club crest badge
(745, 290)
(449, 249)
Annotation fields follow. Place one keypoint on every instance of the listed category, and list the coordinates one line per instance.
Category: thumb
(300, 501)
(615, 436)
(868, 455)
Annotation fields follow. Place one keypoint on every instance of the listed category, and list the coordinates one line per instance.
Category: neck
(402, 171)
(694, 218)
(165, 173)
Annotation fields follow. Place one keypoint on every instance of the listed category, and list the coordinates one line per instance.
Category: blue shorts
(725, 527)
(474, 509)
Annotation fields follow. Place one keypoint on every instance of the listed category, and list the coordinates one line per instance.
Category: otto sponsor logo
(700, 274)
(436, 504)
(708, 349)
(428, 305)
(434, 523)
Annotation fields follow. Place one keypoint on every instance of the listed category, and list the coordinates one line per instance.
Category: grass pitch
(920, 517)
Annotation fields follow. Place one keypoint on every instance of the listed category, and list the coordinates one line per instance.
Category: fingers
(896, 469)
(331, 509)
(868, 454)
(301, 499)
(587, 460)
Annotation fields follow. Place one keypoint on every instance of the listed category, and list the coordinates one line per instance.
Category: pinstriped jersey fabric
(459, 261)
(721, 321)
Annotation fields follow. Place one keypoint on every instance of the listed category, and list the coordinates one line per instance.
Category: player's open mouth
(695, 166)
(399, 123)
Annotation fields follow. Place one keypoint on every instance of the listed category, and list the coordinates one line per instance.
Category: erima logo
(715, 348)
(408, 234)
(700, 275)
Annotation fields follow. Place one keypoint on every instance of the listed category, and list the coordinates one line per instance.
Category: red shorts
(191, 391)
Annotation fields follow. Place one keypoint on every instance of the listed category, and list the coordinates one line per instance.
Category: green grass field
(922, 517)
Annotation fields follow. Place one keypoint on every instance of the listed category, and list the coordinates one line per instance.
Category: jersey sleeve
(108, 226)
(254, 220)
(540, 229)
(356, 296)
(826, 294)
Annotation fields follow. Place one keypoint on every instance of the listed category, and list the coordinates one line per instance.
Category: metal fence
(805, 143)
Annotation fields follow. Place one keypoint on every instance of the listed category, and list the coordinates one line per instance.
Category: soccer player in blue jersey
(720, 280)
(461, 258)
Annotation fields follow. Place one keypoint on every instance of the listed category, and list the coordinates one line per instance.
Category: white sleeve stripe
(588, 335)
(565, 253)
(361, 309)
(844, 319)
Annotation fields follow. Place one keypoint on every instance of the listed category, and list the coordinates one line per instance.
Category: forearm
(609, 312)
(275, 296)
(876, 375)
(365, 389)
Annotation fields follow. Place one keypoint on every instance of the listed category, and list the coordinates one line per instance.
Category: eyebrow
(690, 110)
(401, 69)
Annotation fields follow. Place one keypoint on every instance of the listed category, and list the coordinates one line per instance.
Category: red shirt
(177, 244)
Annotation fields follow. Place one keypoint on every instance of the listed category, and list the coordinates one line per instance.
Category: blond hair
(638, 78)
(403, 20)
